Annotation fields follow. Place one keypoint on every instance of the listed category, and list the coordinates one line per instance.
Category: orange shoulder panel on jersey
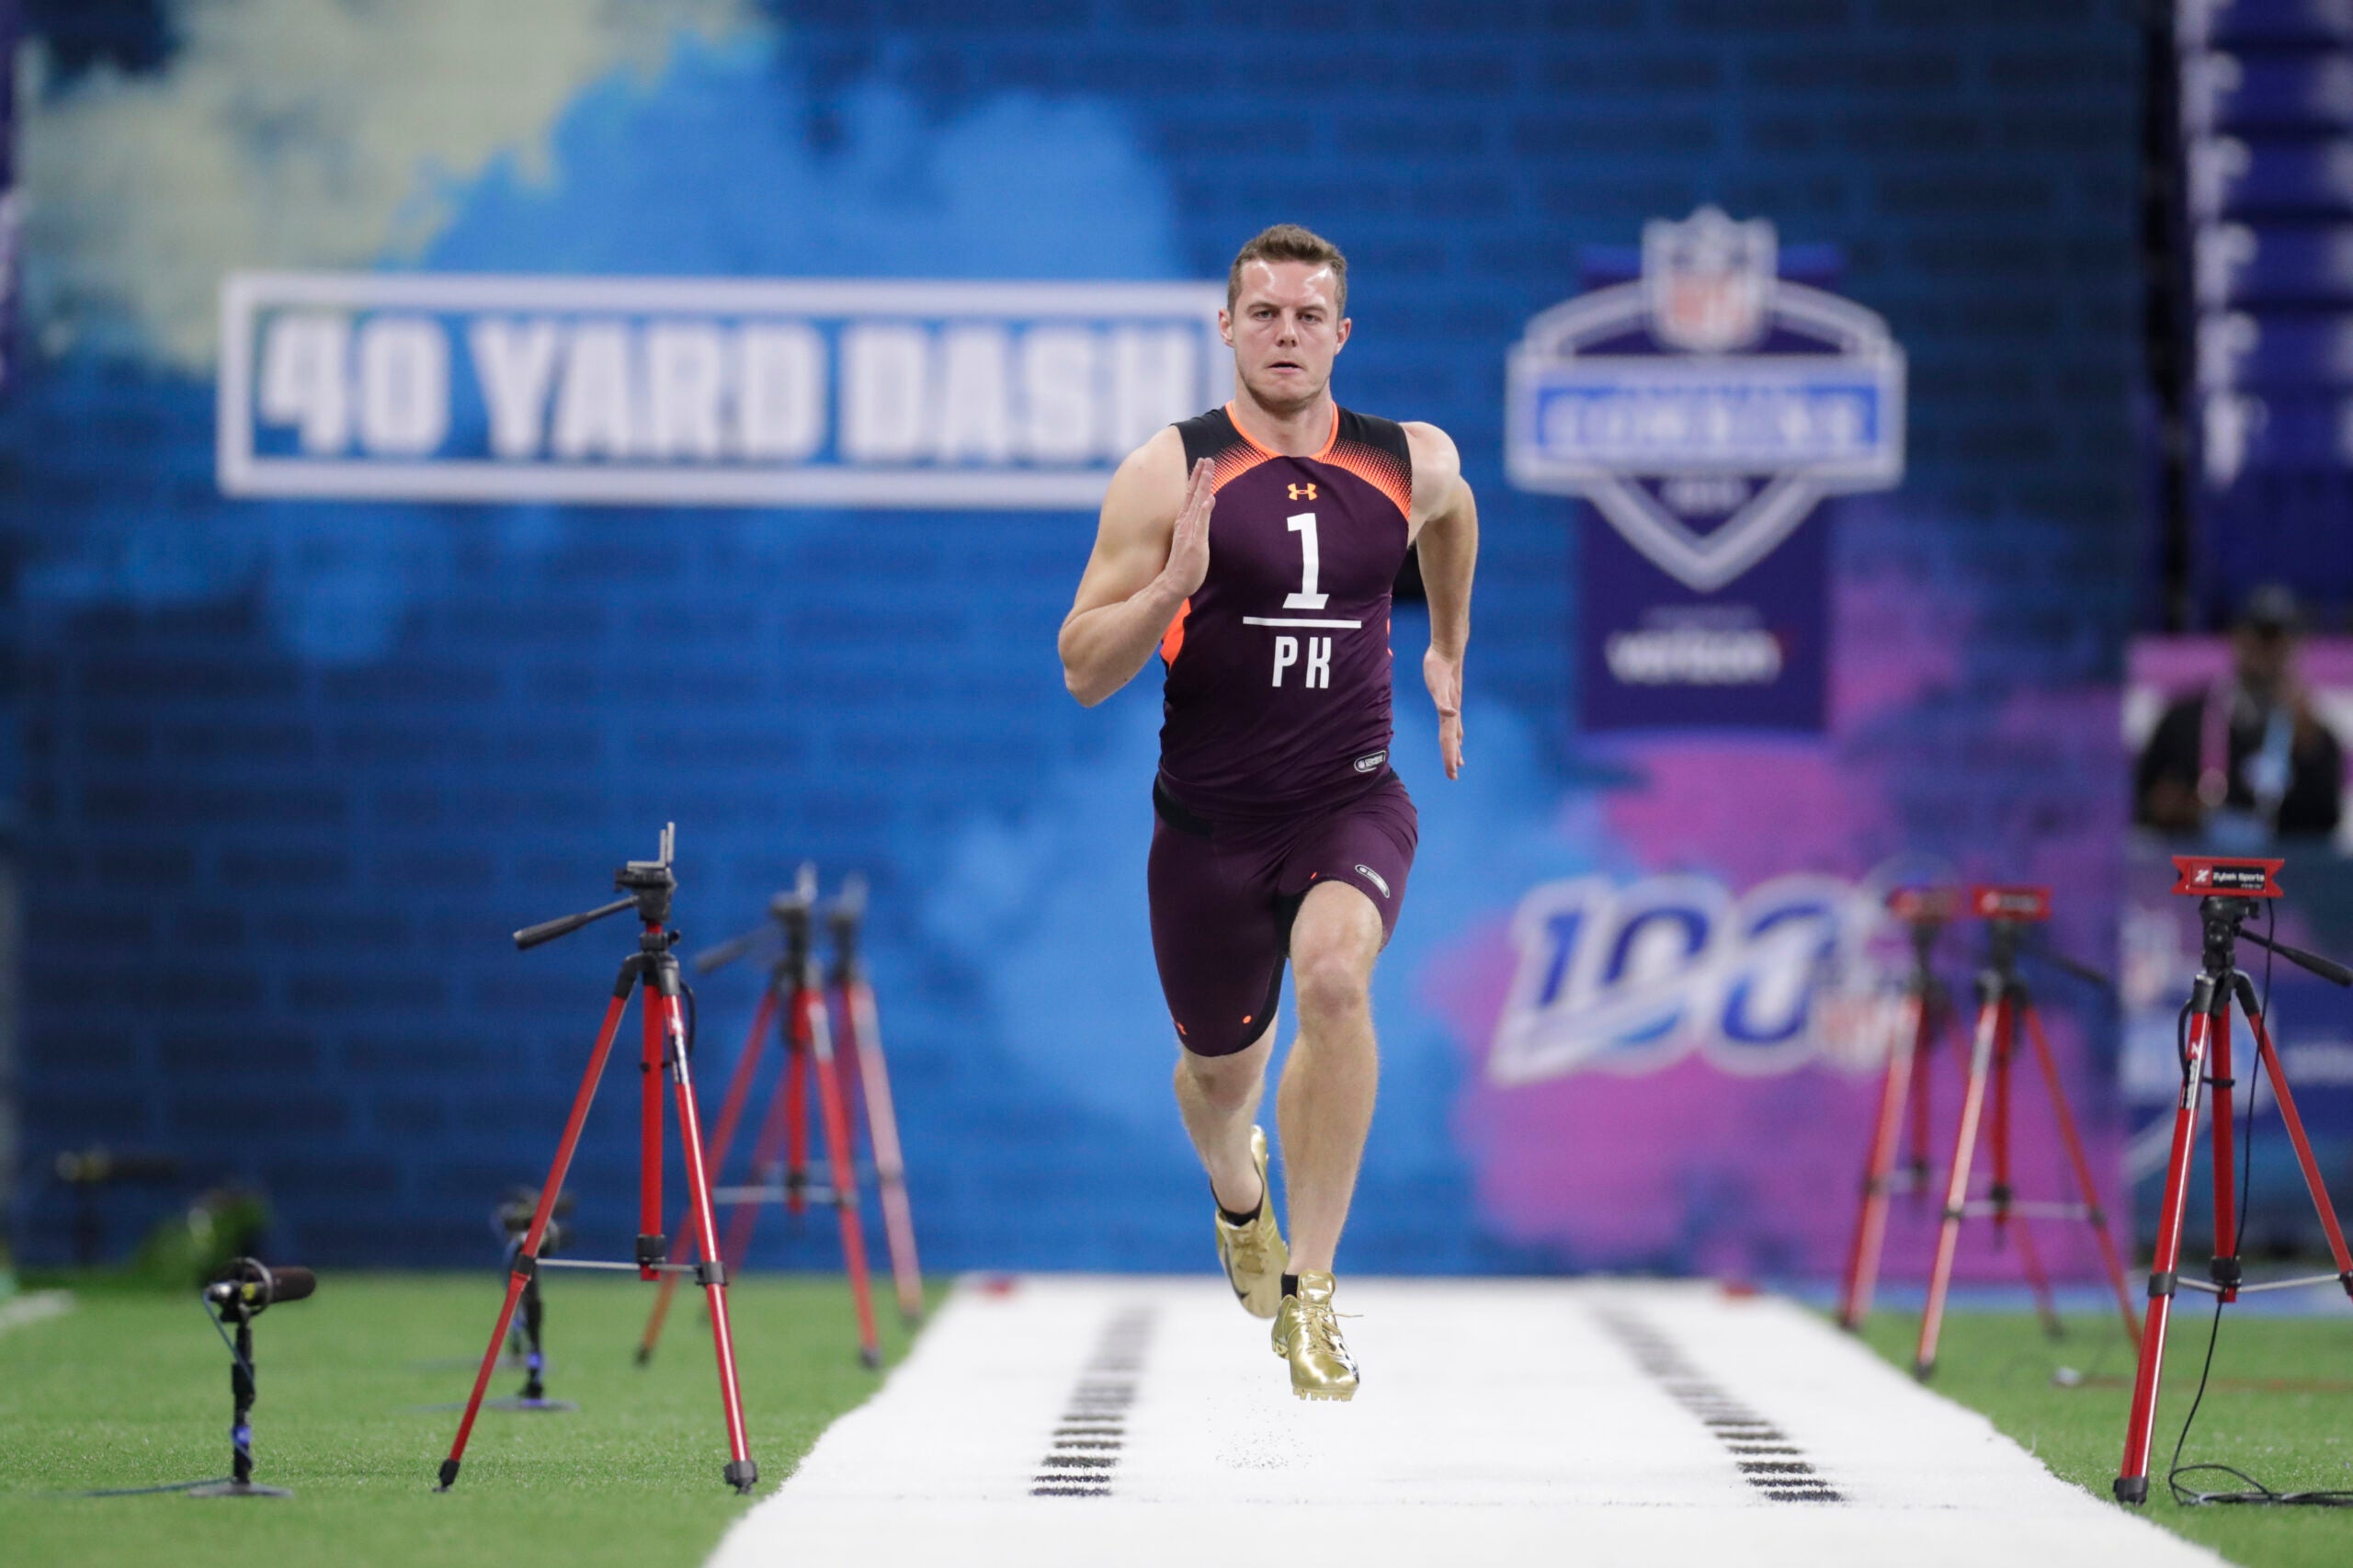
(1233, 462)
(1376, 468)
(1173, 641)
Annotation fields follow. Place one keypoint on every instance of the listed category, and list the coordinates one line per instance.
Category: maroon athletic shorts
(1224, 892)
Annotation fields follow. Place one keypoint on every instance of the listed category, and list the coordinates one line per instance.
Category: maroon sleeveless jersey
(1276, 698)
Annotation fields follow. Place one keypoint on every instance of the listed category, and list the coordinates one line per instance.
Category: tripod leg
(527, 1258)
(1964, 1149)
(730, 1110)
(2304, 1147)
(796, 1111)
(2074, 1142)
(1870, 1222)
(2004, 1047)
(742, 1473)
(648, 1176)
(2132, 1476)
(739, 1087)
(2224, 1270)
(2005, 1187)
(853, 1074)
(845, 1170)
(764, 1148)
(1921, 1052)
(890, 1166)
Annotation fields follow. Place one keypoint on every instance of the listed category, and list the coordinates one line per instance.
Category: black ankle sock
(1250, 1219)
(1291, 1284)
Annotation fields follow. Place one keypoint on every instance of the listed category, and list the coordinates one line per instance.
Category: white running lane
(1589, 1422)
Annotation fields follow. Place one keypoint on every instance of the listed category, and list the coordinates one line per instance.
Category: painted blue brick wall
(271, 890)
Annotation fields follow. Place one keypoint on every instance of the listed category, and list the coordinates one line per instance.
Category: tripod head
(843, 917)
(648, 883)
(2008, 911)
(2011, 913)
(794, 914)
(1925, 911)
(2229, 891)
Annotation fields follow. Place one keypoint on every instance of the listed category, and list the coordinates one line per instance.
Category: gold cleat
(1254, 1254)
(1307, 1334)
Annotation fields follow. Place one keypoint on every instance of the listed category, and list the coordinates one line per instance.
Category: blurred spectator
(2248, 760)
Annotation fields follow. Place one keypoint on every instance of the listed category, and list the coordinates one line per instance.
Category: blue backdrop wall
(291, 770)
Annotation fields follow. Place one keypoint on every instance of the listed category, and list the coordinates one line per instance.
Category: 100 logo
(1633, 978)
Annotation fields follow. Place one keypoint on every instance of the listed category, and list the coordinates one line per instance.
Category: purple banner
(1654, 653)
(1704, 409)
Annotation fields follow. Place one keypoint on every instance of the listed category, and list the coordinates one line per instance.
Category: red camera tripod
(2227, 891)
(795, 997)
(1927, 1012)
(862, 1037)
(2003, 1004)
(649, 885)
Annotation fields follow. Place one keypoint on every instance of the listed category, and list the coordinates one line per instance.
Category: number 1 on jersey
(1304, 525)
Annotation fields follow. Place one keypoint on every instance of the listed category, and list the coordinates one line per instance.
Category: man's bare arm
(1151, 552)
(1449, 549)
(1449, 543)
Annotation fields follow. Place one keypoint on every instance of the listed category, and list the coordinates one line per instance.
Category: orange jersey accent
(1172, 642)
(1233, 462)
(1376, 468)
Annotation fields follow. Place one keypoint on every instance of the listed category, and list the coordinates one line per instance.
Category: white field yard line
(1129, 1421)
(32, 1307)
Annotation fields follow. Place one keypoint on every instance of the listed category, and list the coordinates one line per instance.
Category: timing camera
(2226, 876)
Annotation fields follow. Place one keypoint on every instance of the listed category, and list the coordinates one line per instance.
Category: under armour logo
(1301, 492)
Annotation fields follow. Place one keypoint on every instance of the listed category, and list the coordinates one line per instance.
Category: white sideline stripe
(34, 1306)
(1279, 620)
(1569, 1452)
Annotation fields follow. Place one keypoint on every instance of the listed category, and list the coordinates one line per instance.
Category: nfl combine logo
(1705, 409)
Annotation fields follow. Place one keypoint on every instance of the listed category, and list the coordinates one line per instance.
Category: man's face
(2263, 654)
(1285, 330)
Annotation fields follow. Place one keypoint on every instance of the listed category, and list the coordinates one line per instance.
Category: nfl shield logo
(1708, 280)
(1705, 408)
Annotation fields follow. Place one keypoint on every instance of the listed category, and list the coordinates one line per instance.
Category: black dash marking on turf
(1787, 1477)
(1094, 1423)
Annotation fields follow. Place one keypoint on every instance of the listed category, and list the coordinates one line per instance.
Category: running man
(1282, 833)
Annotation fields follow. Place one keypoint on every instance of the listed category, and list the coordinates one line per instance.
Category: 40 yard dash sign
(702, 391)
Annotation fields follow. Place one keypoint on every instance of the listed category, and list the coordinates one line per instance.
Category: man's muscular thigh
(1335, 942)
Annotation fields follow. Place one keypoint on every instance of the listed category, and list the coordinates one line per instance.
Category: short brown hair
(1289, 241)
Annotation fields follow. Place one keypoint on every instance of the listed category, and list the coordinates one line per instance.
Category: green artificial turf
(131, 1388)
(2280, 1407)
